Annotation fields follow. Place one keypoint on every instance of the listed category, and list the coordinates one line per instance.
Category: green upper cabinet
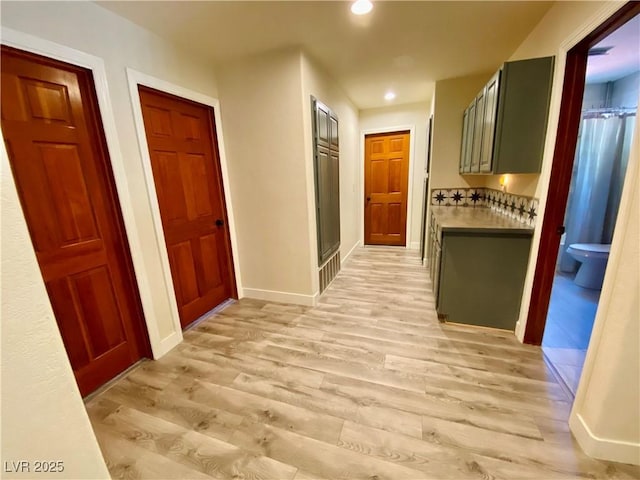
(508, 132)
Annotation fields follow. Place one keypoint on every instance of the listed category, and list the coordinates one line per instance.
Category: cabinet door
(489, 122)
(432, 252)
(437, 258)
(428, 245)
(322, 127)
(482, 277)
(327, 181)
(333, 133)
(476, 150)
(471, 121)
(463, 144)
(432, 260)
(523, 110)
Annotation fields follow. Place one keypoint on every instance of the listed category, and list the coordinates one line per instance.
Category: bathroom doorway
(607, 122)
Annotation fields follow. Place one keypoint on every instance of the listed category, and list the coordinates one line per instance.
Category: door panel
(395, 225)
(379, 176)
(61, 168)
(395, 175)
(386, 184)
(186, 172)
(209, 254)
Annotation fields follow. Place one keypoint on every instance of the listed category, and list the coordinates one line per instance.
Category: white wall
(316, 82)
(595, 95)
(417, 116)
(262, 118)
(625, 91)
(42, 412)
(606, 412)
(604, 418)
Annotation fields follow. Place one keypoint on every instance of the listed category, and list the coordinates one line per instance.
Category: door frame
(96, 66)
(135, 78)
(424, 221)
(565, 143)
(412, 139)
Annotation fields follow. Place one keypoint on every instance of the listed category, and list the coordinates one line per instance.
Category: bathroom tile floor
(572, 311)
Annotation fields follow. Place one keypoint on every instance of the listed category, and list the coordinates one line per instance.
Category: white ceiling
(622, 60)
(404, 46)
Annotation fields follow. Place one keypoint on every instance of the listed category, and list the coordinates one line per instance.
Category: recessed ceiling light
(389, 96)
(361, 7)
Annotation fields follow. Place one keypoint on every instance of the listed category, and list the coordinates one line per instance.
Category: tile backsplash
(518, 207)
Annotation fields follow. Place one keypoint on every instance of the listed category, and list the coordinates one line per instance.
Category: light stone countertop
(474, 219)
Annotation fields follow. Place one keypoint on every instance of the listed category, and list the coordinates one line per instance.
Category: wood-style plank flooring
(367, 385)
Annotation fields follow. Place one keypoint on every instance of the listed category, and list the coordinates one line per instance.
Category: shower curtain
(598, 174)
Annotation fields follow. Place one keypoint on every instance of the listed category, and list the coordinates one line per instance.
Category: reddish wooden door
(186, 173)
(61, 168)
(386, 173)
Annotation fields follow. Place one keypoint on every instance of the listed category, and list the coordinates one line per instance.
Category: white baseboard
(281, 297)
(414, 245)
(519, 335)
(603, 448)
(344, 259)
(167, 344)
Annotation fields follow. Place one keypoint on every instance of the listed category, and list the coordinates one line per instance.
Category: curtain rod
(610, 110)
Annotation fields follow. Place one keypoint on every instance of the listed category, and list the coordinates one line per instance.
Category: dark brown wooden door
(61, 168)
(386, 173)
(186, 173)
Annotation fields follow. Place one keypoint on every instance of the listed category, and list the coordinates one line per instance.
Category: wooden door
(61, 168)
(186, 172)
(386, 177)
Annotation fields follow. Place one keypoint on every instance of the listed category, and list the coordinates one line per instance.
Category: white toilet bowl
(593, 257)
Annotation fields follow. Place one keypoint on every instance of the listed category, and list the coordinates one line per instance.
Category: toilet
(593, 257)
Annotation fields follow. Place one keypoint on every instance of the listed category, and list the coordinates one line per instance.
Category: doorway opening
(597, 121)
(386, 184)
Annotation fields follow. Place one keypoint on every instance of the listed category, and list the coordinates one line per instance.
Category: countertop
(474, 219)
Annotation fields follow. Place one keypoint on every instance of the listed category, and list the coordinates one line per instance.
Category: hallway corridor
(367, 385)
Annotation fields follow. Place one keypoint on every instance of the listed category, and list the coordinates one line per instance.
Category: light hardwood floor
(367, 385)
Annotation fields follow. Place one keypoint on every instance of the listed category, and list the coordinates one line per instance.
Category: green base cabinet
(481, 277)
